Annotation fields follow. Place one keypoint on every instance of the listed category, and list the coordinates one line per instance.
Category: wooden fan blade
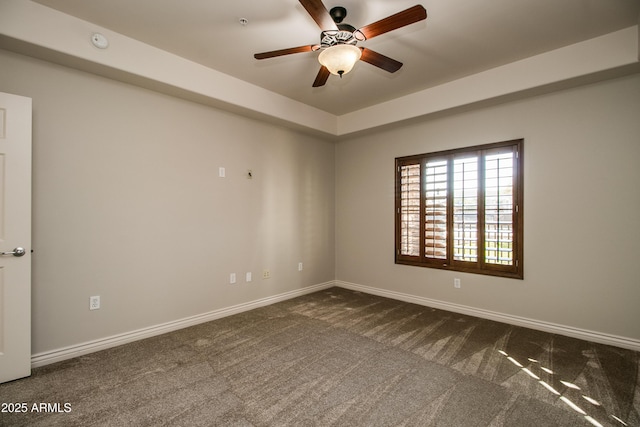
(322, 77)
(281, 52)
(320, 14)
(379, 60)
(393, 22)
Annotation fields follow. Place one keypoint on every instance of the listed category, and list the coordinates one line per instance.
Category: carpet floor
(338, 358)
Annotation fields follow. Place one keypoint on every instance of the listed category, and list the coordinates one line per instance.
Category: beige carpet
(339, 358)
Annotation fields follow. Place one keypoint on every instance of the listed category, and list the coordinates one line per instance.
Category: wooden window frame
(514, 270)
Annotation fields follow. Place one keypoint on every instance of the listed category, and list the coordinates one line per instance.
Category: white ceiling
(458, 38)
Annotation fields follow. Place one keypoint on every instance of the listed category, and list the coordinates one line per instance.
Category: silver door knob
(16, 252)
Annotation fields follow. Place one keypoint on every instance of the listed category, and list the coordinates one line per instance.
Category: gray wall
(128, 205)
(582, 205)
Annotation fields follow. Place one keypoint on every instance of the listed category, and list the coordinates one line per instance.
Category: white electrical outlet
(299, 266)
(94, 302)
(456, 283)
(248, 276)
(222, 172)
(266, 274)
(232, 278)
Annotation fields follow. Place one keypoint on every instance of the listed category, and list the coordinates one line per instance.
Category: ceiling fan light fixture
(340, 59)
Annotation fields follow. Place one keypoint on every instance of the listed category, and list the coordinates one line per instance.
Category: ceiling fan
(338, 41)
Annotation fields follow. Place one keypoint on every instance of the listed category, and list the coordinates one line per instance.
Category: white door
(15, 237)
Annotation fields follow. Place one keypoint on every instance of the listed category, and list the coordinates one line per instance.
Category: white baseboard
(53, 356)
(58, 355)
(628, 343)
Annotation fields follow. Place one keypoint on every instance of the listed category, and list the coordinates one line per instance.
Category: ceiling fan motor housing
(344, 35)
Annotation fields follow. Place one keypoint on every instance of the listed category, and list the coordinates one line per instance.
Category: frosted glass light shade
(340, 59)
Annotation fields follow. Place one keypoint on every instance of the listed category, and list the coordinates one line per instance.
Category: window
(462, 209)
